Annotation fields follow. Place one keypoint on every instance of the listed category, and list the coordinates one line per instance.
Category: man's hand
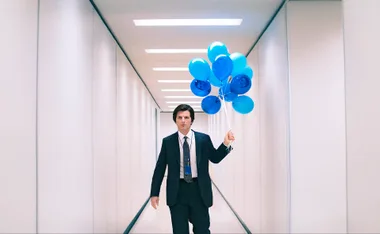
(154, 202)
(228, 138)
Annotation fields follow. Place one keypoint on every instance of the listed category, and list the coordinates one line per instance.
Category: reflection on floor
(222, 218)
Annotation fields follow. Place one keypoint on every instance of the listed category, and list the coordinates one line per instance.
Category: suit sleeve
(216, 155)
(159, 172)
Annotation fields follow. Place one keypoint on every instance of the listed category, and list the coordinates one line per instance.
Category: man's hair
(183, 107)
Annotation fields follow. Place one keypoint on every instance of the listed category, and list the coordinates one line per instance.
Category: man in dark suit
(187, 153)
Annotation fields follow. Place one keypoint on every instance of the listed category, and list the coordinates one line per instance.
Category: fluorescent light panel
(175, 51)
(187, 22)
(175, 90)
(174, 81)
(170, 69)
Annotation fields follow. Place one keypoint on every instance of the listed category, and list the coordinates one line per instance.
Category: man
(188, 190)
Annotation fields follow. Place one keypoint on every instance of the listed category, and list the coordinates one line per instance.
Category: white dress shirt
(193, 157)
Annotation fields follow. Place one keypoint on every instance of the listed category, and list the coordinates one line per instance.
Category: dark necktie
(186, 161)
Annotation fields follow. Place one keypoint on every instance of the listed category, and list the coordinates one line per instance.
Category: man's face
(183, 121)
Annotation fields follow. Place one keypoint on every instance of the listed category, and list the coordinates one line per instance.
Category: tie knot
(185, 137)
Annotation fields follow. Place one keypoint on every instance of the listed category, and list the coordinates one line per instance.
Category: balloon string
(225, 111)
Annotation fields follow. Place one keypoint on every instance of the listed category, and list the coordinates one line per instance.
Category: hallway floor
(222, 218)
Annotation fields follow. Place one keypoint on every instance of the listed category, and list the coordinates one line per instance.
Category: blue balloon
(215, 49)
(239, 62)
(211, 104)
(243, 104)
(222, 67)
(240, 84)
(248, 71)
(215, 81)
(226, 94)
(199, 69)
(200, 88)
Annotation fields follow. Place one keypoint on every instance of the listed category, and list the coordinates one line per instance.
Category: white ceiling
(119, 15)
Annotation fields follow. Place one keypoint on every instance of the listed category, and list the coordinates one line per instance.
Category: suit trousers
(189, 207)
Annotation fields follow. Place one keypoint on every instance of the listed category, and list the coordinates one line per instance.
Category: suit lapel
(198, 144)
(175, 144)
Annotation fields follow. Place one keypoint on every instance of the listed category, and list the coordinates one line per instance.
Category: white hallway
(222, 218)
(80, 131)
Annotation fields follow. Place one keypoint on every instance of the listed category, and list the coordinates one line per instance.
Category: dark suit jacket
(170, 156)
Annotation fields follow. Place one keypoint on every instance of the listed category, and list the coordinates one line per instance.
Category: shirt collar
(188, 134)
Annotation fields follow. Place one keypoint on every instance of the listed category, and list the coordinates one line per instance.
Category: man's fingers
(156, 205)
(231, 135)
(154, 202)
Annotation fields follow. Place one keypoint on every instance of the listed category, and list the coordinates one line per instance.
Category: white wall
(314, 132)
(254, 177)
(87, 164)
(362, 49)
(274, 126)
(136, 157)
(238, 176)
(251, 209)
(18, 66)
(136, 153)
(317, 132)
(104, 129)
(65, 160)
(297, 138)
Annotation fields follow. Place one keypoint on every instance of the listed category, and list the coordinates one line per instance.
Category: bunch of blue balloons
(228, 72)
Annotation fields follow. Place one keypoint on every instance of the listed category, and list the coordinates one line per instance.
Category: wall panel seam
(36, 129)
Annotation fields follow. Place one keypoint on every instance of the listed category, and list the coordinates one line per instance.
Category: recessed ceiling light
(182, 97)
(174, 81)
(170, 69)
(188, 22)
(175, 90)
(175, 51)
(183, 102)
